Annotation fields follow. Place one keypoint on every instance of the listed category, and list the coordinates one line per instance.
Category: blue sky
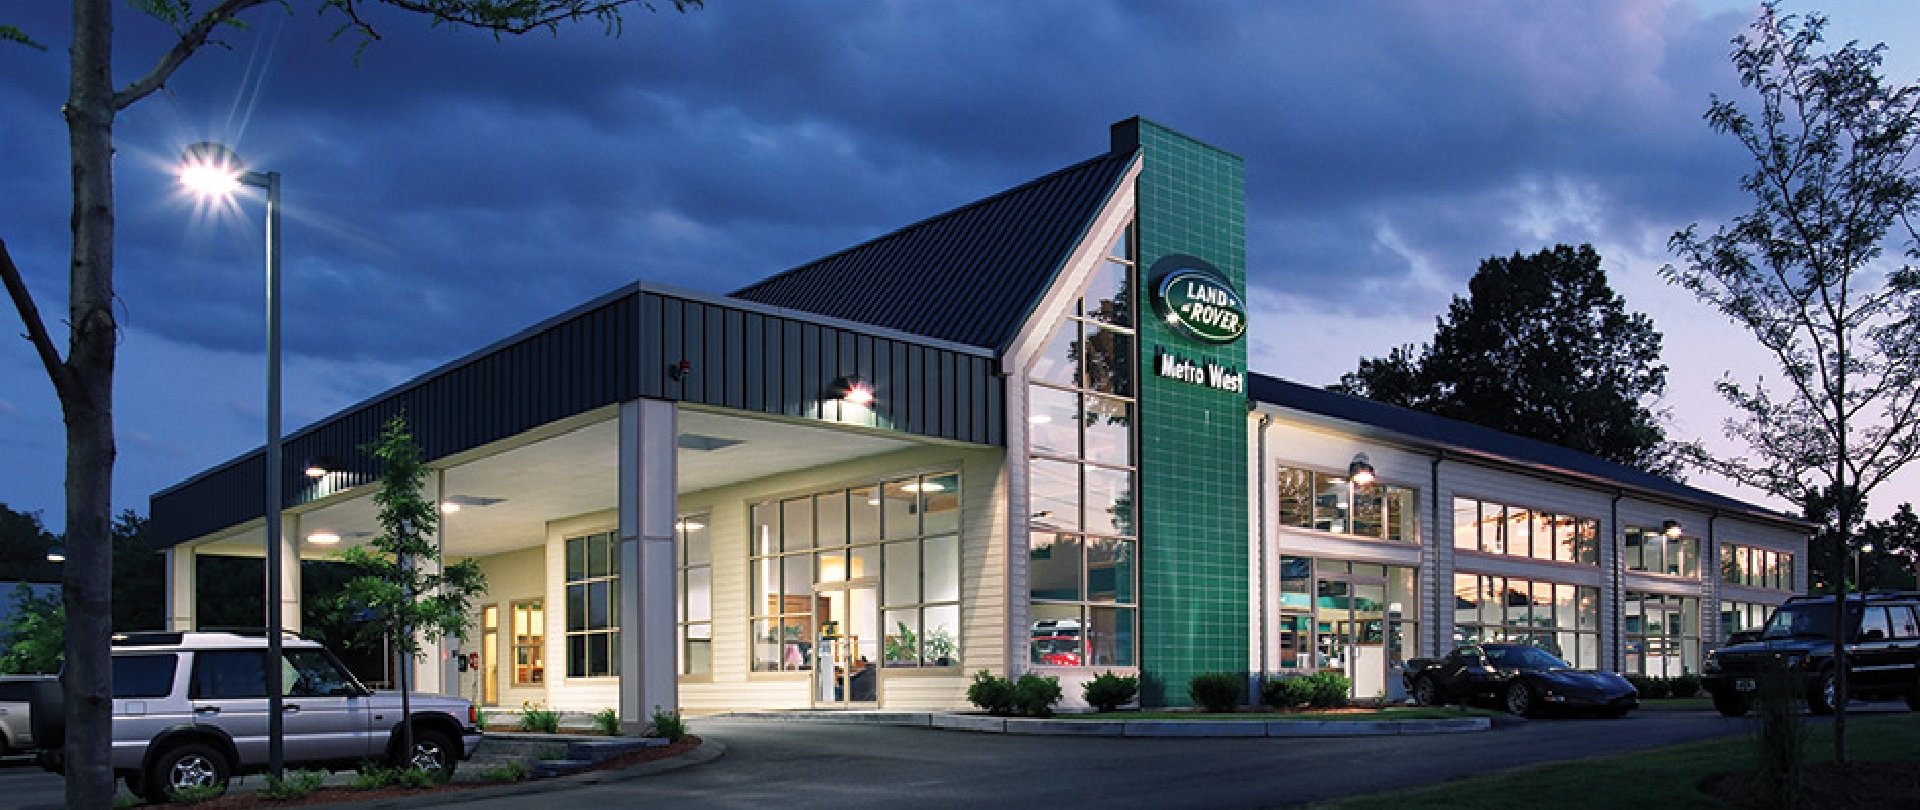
(444, 190)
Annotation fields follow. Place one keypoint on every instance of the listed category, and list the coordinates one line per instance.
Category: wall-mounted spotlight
(56, 554)
(679, 371)
(1361, 470)
(319, 466)
(852, 390)
(1671, 528)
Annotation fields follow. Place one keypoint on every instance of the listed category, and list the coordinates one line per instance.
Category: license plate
(1743, 684)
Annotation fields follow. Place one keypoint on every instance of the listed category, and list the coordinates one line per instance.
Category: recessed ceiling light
(323, 538)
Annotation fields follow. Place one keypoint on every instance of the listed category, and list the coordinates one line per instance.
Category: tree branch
(191, 40)
(63, 382)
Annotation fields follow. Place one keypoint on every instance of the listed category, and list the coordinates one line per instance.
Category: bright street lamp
(212, 170)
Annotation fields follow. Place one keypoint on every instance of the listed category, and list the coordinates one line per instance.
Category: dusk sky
(444, 189)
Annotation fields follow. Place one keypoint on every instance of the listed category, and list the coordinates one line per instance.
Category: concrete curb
(708, 751)
(986, 724)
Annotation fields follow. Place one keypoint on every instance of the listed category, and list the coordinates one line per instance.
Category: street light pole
(213, 170)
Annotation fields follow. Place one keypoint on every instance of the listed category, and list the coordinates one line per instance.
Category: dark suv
(1883, 653)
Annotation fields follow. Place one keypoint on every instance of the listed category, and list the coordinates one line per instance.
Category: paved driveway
(799, 766)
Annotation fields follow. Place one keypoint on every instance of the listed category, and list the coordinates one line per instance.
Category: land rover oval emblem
(1197, 300)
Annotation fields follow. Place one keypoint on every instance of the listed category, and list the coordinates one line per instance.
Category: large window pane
(900, 508)
(1056, 636)
(1295, 502)
(831, 517)
(1543, 542)
(576, 558)
(1401, 515)
(1109, 430)
(796, 524)
(902, 585)
(1466, 524)
(1109, 501)
(1111, 639)
(766, 529)
(1466, 599)
(1054, 566)
(863, 515)
(1055, 495)
(940, 563)
(1053, 421)
(1109, 570)
(1109, 361)
(1589, 542)
(940, 644)
(1493, 528)
(1330, 503)
(797, 573)
(864, 562)
(940, 504)
(1369, 510)
(699, 601)
(1058, 361)
(900, 645)
(1109, 295)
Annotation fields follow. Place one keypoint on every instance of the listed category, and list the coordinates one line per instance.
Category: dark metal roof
(640, 341)
(1467, 439)
(971, 275)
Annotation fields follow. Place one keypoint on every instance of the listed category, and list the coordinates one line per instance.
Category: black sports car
(1525, 680)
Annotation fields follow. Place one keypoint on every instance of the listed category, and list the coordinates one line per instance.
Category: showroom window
(1662, 634)
(877, 566)
(1558, 617)
(693, 559)
(1517, 531)
(593, 606)
(1330, 502)
(1736, 617)
(1655, 552)
(529, 643)
(1756, 567)
(1082, 549)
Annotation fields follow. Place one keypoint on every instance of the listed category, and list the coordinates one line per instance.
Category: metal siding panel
(673, 334)
(735, 338)
(913, 388)
(714, 349)
(753, 362)
(791, 402)
(810, 364)
(964, 407)
(949, 398)
(652, 358)
(996, 408)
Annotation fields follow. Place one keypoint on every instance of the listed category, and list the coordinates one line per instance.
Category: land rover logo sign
(1198, 301)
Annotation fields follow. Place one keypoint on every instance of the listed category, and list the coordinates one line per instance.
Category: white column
(181, 588)
(428, 673)
(290, 573)
(649, 678)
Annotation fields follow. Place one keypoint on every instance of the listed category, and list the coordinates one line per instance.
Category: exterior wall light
(1361, 470)
(320, 466)
(851, 390)
(1671, 528)
(56, 554)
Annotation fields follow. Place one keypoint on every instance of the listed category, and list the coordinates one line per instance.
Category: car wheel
(433, 752)
(1425, 692)
(1825, 693)
(1731, 705)
(186, 766)
(1520, 699)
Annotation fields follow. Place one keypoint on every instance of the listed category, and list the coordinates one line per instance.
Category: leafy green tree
(1812, 271)
(409, 603)
(35, 633)
(139, 576)
(1875, 554)
(1541, 347)
(83, 378)
(23, 548)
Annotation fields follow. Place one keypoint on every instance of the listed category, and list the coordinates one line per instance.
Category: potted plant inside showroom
(940, 646)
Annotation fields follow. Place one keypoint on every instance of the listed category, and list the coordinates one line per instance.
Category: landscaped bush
(1651, 688)
(1034, 695)
(537, 717)
(1286, 693)
(1327, 690)
(607, 722)
(668, 725)
(1683, 686)
(1217, 691)
(1108, 691)
(295, 785)
(991, 693)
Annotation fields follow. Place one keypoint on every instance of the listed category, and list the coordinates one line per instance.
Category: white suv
(190, 710)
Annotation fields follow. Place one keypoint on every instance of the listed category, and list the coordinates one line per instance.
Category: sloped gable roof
(1453, 435)
(971, 275)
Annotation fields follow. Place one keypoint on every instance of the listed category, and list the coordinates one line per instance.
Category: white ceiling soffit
(506, 499)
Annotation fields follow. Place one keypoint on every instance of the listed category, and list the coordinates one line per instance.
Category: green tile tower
(1193, 415)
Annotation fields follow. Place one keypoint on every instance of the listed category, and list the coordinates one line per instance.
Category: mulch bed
(335, 795)
(1826, 786)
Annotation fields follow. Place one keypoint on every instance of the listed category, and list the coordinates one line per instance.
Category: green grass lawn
(1659, 777)
(1389, 713)
(1677, 704)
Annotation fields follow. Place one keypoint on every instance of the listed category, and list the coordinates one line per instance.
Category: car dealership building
(1020, 436)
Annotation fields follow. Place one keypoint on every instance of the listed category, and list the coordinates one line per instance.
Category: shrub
(607, 722)
(511, 771)
(196, 794)
(1108, 691)
(1683, 686)
(294, 785)
(1327, 690)
(668, 725)
(1217, 691)
(1651, 688)
(537, 717)
(373, 777)
(1286, 693)
(416, 778)
(992, 694)
(1034, 695)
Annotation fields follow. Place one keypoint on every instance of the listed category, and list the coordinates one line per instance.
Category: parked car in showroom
(1524, 679)
(1882, 643)
(190, 710)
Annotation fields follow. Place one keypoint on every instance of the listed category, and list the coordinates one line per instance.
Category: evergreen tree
(1541, 347)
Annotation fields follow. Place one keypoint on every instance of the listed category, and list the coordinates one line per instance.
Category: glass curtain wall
(1517, 531)
(1082, 547)
(903, 533)
(1654, 552)
(1558, 617)
(1756, 567)
(1662, 634)
(593, 606)
(1330, 502)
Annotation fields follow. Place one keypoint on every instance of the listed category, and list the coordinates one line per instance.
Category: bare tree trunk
(88, 410)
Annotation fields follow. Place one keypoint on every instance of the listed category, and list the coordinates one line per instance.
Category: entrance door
(1351, 620)
(847, 673)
